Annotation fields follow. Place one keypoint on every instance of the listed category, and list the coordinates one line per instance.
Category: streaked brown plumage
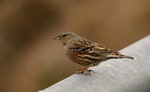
(85, 52)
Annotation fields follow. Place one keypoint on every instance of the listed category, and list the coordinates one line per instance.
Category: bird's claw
(86, 72)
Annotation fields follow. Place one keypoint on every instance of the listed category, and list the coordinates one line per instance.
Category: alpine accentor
(85, 52)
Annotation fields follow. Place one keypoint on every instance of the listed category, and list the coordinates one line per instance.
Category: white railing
(116, 75)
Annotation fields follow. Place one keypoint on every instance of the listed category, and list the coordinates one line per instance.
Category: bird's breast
(82, 58)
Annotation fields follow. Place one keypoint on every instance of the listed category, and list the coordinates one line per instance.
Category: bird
(86, 52)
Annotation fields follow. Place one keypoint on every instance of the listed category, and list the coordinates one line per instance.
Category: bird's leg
(83, 70)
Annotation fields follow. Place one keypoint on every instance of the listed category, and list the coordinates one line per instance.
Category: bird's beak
(56, 38)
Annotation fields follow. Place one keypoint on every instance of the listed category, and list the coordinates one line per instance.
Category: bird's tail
(127, 57)
(117, 55)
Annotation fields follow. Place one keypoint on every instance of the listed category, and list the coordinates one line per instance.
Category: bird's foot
(84, 71)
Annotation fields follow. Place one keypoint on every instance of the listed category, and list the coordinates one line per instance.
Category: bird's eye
(64, 35)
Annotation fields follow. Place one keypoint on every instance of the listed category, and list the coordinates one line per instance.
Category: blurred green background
(30, 60)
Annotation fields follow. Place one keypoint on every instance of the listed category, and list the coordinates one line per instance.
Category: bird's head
(65, 37)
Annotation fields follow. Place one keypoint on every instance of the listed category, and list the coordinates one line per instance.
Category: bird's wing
(108, 53)
(102, 49)
(94, 51)
(84, 46)
(87, 47)
(88, 50)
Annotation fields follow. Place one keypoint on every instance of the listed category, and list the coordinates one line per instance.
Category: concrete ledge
(116, 75)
